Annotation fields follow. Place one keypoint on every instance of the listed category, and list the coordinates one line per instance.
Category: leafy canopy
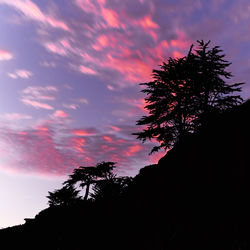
(183, 93)
(105, 185)
(64, 196)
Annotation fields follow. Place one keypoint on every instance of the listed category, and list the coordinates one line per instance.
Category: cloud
(60, 114)
(31, 11)
(56, 48)
(81, 100)
(49, 149)
(120, 43)
(86, 70)
(40, 92)
(84, 132)
(33, 95)
(70, 106)
(48, 64)
(75, 103)
(15, 116)
(5, 55)
(36, 104)
(20, 73)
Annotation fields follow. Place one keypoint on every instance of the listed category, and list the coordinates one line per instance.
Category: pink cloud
(147, 23)
(60, 114)
(84, 132)
(56, 48)
(181, 42)
(36, 104)
(108, 139)
(110, 87)
(32, 11)
(132, 150)
(102, 42)
(34, 151)
(122, 43)
(110, 17)
(78, 144)
(5, 55)
(53, 150)
(115, 128)
(57, 23)
(177, 54)
(87, 70)
(133, 69)
(154, 158)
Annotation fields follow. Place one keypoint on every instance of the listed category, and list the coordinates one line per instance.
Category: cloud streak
(20, 73)
(33, 95)
(31, 11)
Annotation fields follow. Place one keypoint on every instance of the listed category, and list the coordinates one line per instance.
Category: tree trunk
(87, 191)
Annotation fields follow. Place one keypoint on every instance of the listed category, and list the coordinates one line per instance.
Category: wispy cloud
(75, 103)
(70, 106)
(33, 95)
(87, 70)
(31, 11)
(36, 104)
(15, 116)
(20, 73)
(48, 64)
(56, 48)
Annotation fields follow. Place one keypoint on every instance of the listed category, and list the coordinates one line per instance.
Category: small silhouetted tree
(87, 176)
(64, 196)
(183, 93)
(111, 188)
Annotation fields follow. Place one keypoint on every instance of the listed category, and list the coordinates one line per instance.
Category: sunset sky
(69, 83)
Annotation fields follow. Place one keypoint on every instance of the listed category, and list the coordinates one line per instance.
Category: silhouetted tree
(65, 196)
(110, 188)
(184, 92)
(90, 175)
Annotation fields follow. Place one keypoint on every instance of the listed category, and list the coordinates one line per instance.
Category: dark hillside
(197, 197)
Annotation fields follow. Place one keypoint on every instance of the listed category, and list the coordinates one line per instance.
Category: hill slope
(196, 197)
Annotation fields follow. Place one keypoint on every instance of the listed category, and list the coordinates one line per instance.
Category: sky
(69, 83)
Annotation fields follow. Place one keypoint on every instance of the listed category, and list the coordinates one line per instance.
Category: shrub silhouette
(65, 196)
(87, 176)
(184, 92)
(111, 188)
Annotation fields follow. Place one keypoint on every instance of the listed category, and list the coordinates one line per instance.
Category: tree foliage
(64, 196)
(183, 93)
(110, 188)
(86, 176)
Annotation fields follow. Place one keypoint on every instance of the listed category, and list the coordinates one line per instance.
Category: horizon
(69, 79)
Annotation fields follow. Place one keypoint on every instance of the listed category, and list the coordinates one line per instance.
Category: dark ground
(196, 197)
